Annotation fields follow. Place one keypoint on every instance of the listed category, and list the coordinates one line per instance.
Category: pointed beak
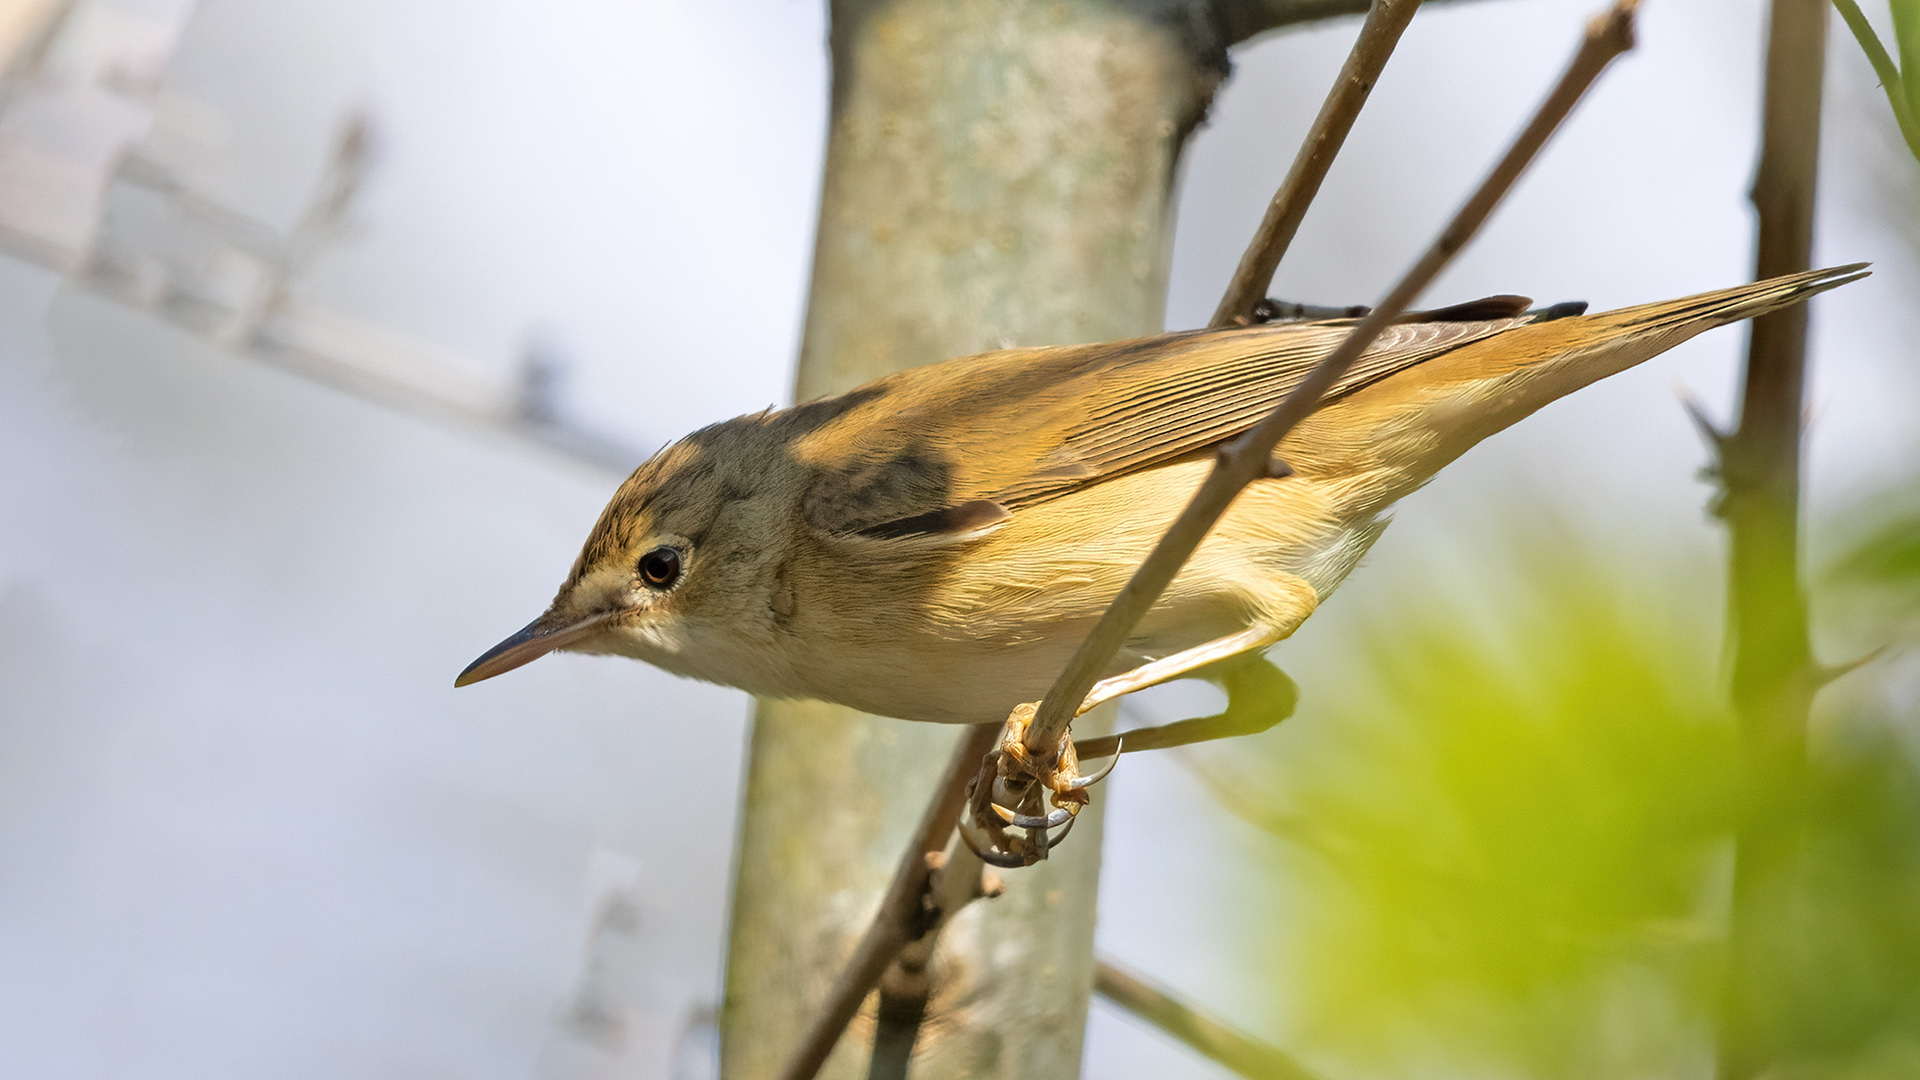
(535, 640)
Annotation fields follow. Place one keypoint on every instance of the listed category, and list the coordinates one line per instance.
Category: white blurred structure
(85, 190)
(247, 827)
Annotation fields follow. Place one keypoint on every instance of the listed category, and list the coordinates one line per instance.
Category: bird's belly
(959, 688)
(981, 669)
(996, 626)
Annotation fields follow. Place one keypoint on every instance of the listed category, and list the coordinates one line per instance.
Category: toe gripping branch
(1015, 791)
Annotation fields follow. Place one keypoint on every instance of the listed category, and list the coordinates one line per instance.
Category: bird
(935, 544)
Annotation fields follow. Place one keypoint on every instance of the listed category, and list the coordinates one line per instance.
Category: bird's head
(675, 555)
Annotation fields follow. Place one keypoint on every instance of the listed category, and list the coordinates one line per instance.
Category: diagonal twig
(1378, 35)
(894, 925)
(904, 989)
(1230, 1047)
(1247, 458)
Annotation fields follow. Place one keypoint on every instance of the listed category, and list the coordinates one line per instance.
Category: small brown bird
(935, 544)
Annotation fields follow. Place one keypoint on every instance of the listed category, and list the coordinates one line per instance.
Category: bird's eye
(660, 567)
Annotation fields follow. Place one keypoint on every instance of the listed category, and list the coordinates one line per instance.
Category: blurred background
(326, 328)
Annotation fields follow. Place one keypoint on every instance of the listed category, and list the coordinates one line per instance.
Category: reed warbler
(935, 544)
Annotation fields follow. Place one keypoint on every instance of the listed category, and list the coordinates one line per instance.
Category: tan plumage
(935, 544)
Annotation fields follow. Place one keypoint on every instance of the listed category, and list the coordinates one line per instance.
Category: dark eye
(660, 567)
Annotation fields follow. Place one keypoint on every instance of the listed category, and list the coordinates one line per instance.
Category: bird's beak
(535, 640)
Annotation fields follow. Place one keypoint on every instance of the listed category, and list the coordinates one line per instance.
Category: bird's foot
(1016, 790)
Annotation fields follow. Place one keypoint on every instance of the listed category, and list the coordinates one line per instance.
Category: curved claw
(1052, 821)
(990, 854)
(1081, 783)
(1054, 842)
(993, 855)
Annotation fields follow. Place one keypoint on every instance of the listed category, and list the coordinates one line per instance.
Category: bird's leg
(1259, 695)
(1014, 788)
(1255, 638)
(1180, 665)
(1016, 785)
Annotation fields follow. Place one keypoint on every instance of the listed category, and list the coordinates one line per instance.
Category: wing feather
(1019, 427)
(1209, 388)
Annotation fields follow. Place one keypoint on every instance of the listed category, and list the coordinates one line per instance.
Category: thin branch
(1247, 458)
(1242, 19)
(1227, 1045)
(902, 910)
(959, 879)
(1774, 673)
(1386, 19)
(1891, 79)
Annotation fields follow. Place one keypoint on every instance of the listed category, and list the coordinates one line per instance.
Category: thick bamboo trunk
(998, 173)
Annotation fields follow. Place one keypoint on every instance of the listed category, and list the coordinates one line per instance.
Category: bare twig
(1237, 1051)
(959, 879)
(902, 910)
(1774, 673)
(1247, 458)
(1378, 35)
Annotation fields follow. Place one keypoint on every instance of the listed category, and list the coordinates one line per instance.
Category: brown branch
(1774, 673)
(1237, 1051)
(1386, 19)
(1247, 458)
(959, 879)
(1242, 19)
(902, 910)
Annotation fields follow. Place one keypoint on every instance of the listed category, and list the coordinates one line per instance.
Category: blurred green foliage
(1507, 839)
(1902, 81)
(1876, 577)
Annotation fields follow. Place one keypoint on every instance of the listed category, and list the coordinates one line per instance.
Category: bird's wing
(951, 450)
(1151, 407)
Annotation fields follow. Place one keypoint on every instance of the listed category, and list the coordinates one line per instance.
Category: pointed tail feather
(1405, 427)
(1724, 306)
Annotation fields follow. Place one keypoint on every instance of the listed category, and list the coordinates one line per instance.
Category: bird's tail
(1723, 306)
(1405, 427)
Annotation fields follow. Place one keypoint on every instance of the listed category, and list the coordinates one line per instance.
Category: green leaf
(1901, 97)
(1501, 834)
(1505, 819)
(1906, 36)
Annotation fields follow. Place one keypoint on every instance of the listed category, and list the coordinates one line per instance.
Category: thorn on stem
(1715, 438)
(1826, 674)
(991, 884)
